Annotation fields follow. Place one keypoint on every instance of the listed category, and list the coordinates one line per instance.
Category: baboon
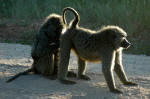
(45, 49)
(104, 45)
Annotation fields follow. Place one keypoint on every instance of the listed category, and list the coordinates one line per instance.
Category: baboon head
(54, 25)
(118, 37)
(125, 43)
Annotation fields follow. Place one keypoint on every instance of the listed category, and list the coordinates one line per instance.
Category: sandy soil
(15, 58)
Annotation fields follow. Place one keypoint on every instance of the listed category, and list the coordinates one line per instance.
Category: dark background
(21, 19)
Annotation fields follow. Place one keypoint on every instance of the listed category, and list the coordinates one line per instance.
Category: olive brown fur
(45, 49)
(105, 45)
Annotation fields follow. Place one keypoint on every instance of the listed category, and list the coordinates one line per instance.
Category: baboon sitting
(104, 45)
(45, 49)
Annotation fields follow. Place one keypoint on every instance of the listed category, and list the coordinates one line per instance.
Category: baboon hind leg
(65, 48)
(56, 64)
(82, 69)
(120, 70)
(45, 66)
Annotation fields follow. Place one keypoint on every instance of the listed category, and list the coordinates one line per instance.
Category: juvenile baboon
(45, 49)
(104, 45)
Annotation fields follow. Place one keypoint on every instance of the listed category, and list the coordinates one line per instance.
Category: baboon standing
(45, 49)
(104, 45)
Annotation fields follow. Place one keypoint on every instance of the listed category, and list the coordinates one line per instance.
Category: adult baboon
(45, 49)
(103, 45)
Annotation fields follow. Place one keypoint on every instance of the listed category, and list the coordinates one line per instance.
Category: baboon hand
(129, 83)
(67, 82)
(84, 77)
(116, 91)
(54, 45)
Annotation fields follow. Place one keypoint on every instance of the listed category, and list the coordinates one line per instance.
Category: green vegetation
(132, 15)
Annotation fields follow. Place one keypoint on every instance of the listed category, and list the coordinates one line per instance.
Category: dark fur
(45, 49)
(103, 45)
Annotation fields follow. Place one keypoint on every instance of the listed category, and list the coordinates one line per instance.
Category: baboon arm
(56, 62)
(120, 71)
(43, 48)
(65, 48)
(107, 68)
(119, 67)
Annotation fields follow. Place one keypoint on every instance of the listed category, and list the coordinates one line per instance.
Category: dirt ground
(15, 58)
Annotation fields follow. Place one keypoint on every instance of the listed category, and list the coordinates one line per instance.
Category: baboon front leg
(120, 70)
(107, 68)
(82, 69)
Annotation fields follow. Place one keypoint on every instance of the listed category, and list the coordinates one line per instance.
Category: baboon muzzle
(125, 44)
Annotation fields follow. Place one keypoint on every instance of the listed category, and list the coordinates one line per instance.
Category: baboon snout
(125, 44)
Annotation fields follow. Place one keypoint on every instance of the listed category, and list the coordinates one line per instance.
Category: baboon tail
(19, 74)
(77, 17)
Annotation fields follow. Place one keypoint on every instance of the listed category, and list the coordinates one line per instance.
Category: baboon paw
(116, 91)
(129, 83)
(84, 77)
(71, 74)
(67, 82)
